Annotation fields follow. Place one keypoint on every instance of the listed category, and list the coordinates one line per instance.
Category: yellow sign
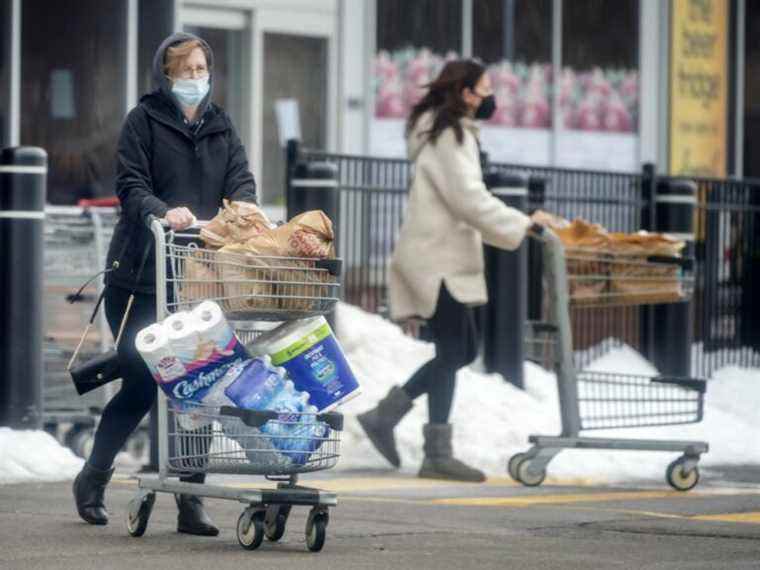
(698, 87)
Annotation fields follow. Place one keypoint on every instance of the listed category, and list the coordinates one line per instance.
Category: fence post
(23, 179)
(314, 186)
(536, 201)
(507, 278)
(675, 201)
(646, 312)
(292, 154)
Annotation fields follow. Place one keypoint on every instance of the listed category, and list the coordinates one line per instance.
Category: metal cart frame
(266, 510)
(640, 401)
(62, 404)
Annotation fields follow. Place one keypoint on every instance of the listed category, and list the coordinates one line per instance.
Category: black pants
(134, 400)
(455, 338)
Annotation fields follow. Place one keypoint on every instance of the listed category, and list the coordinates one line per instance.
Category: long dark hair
(444, 98)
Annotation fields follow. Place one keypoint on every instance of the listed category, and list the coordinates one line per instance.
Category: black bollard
(506, 271)
(674, 322)
(23, 179)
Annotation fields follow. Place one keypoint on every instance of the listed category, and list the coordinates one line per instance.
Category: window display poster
(698, 88)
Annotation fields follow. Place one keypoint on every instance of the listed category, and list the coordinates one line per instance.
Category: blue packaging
(314, 360)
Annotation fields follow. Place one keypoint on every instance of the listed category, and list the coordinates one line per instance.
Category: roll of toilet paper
(183, 336)
(153, 345)
(212, 326)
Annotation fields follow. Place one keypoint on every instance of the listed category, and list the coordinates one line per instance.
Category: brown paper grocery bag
(246, 278)
(634, 278)
(586, 251)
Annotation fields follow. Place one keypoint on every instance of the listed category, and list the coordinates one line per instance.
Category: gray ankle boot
(439, 463)
(380, 421)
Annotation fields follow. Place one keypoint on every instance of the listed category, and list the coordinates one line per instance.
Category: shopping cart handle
(251, 418)
(536, 230)
(150, 218)
(256, 418)
(691, 383)
(333, 266)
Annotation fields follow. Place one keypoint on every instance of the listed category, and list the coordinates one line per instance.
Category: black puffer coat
(164, 163)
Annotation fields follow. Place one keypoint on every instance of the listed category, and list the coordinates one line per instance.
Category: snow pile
(27, 456)
(493, 419)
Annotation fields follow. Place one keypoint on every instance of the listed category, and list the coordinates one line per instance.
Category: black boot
(89, 488)
(192, 519)
(439, 462)
(380, 421)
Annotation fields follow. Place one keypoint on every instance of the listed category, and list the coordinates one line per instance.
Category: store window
(156, 22)
(599, 85)
(73, 76)
(513, 38)
(414, 40)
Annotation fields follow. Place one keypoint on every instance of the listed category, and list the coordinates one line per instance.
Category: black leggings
(134, 400)
(455, 338)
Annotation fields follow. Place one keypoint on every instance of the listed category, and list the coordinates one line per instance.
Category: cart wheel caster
(250, 529)
(528, 478)
(513, 463)
(678, 478)
(316, 529)
(275, 520)
(139, 513)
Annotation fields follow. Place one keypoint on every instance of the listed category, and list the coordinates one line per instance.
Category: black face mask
(486, 108)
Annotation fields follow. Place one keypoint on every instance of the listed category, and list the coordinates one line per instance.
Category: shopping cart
(76, 241)
(253, 291)
(604, 400)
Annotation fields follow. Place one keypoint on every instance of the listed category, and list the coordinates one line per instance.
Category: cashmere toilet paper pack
(190, 351)
(314, 360)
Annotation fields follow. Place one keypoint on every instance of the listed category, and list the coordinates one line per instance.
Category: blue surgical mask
(190, 92)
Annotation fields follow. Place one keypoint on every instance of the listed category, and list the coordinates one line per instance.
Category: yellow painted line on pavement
(561, 499)
(751, 518)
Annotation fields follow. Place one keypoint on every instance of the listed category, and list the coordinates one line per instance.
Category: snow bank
(493, 419)
(28, 456)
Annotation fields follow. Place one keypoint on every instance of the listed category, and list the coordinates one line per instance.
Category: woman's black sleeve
(239, 183)
(134, 183)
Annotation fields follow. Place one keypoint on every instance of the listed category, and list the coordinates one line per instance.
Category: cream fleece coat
(449, 216)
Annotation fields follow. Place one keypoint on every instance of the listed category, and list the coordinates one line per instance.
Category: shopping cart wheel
(250, 528)
(678, 478)
(139, 511)
(529, 478)
(513, 463)
(316, 528)
(275, 520)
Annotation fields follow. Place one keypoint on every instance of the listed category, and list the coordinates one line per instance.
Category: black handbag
(104, 368)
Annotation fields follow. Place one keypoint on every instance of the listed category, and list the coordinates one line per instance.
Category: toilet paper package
(314, 360)
(189, 352)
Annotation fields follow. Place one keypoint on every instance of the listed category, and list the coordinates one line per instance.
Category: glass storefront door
(228, 33)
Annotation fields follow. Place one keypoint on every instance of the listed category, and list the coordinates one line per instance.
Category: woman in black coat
(178, 158)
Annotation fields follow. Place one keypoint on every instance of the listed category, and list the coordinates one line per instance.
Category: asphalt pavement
(386, 520)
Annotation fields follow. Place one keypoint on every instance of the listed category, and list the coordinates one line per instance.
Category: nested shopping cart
(253, 291)
(590, 400)
(76, 241)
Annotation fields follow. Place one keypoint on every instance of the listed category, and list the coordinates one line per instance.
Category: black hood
(163, 84)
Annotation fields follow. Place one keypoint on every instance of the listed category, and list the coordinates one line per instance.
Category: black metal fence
(372, 200)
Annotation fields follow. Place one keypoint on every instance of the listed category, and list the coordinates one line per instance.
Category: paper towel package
(190, 351)
(315, 362)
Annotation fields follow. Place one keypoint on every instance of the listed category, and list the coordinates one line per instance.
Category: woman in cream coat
(437, 267)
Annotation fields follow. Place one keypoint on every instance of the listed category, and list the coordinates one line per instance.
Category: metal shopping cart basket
(600, 400)
(76, 241)
(253, 291)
